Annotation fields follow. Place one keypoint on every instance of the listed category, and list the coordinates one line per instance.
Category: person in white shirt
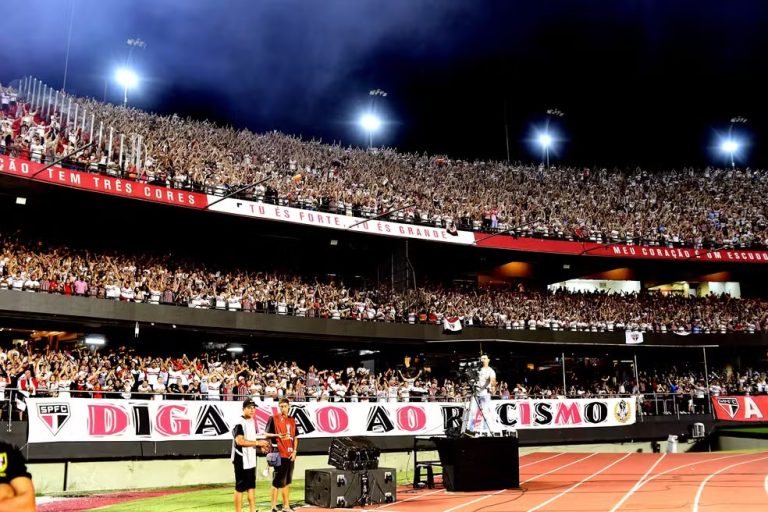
(244, 444)
(480, 403)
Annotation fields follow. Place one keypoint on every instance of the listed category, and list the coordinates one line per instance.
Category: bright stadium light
(370, 123)
(128, 80)
(729, 146)
(545, 141)
(733, 143)
(544, 137)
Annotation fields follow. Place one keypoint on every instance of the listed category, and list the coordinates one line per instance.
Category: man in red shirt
(284, 429)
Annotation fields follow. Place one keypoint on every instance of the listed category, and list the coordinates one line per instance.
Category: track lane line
(574, 486)
(556, 469)
(542, 460)
(481, 498)
(444, 491)
(704, 482)
(638, 484)
(654, 477)
(457, 507)
(398, 502)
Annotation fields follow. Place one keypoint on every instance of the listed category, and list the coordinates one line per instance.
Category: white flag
(452, 324)
(633, 337)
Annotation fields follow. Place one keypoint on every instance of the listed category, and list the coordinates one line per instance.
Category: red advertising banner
(741, 408)
(100, 183)
(619, 251)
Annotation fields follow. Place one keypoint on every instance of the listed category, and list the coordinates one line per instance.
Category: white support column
(109, 150)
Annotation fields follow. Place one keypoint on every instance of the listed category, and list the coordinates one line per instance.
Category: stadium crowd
(674, 207)
(34, 267)
(122, 374)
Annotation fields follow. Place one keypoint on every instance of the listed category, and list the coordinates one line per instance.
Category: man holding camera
(480, 403)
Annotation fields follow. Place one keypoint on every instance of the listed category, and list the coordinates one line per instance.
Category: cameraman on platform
(480, 403)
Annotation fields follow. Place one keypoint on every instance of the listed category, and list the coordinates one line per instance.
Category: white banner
(85, 419)
(335, 221)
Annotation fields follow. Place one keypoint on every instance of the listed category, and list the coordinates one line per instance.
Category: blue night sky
(641, 82)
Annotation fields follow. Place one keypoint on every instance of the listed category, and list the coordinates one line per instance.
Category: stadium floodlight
(729, 146)
(370, 124)
(128, 80)
(545, 141)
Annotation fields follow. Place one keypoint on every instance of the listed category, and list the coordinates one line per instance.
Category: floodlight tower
(545, 139)
(371, 122)
(730, 146)
(132, 44)
(128, 80)
(125, 76)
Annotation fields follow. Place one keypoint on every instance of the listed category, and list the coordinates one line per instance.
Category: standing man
(283, 428)
(480, 403)
(17, 494)
(244, 444)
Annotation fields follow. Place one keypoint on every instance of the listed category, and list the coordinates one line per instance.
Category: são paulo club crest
(53, 415)
(622, 411)
(729, 405)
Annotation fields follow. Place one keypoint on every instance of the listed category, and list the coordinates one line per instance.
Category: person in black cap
(16, 490)
(244, 443)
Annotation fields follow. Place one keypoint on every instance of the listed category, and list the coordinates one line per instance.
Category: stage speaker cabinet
(353, 453)
(339, 488)
(480, 463)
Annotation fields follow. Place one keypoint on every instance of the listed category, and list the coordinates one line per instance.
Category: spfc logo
(53, 415)
(729, 405)
(633, 337)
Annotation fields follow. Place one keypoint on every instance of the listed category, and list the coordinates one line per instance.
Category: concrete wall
(100, 314)
(75, 477)
(130, 474)
(741, 443)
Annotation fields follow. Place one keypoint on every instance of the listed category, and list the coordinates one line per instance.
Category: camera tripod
(475, 399)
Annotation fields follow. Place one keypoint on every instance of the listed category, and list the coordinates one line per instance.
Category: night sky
(641, 82)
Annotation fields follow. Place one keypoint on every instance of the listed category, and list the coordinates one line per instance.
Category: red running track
(698, 482)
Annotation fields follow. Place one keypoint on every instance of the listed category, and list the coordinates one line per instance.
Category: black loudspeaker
(353, 453)
(338, 488)
(479, 463)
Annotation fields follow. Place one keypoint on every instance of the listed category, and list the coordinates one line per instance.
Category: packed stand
(26, 267)
(721, 207)
(124, 374)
